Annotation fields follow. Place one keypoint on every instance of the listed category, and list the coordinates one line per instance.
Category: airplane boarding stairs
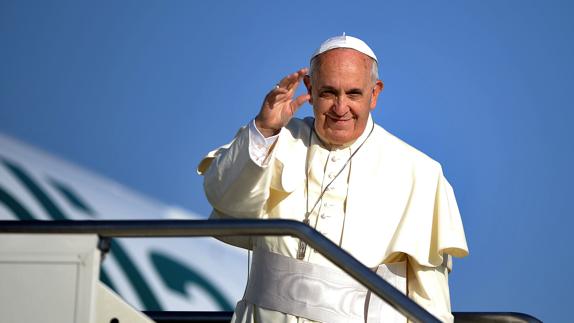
(49, 270)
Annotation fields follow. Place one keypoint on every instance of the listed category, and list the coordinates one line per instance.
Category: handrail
(225, 317)
(220, 228)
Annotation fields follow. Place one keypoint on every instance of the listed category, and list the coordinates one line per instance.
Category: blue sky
(139, 91)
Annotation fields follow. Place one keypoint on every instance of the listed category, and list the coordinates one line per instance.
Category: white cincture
(319, 293)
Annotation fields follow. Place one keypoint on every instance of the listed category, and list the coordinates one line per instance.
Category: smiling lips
(338, 120)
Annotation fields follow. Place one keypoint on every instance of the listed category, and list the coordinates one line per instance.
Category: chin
(339, 140)
(336, 137)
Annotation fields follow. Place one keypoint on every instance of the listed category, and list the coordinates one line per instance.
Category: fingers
(279, 104)
(291, 81)
(285, 89)
(277, 95)
(299, 101)
(285, 97)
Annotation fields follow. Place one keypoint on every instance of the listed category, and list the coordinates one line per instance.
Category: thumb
(298, 102)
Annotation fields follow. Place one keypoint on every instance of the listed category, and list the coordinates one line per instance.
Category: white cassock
(390, 207)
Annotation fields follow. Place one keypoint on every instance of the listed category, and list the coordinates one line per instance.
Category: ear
(379, 85)
(307, 81)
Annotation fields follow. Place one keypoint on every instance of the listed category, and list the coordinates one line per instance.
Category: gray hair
(374, 68)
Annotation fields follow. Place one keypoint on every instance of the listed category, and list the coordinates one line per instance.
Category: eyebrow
(355, 90)
(331, 88)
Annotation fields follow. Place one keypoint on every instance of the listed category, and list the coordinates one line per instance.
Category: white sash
(319, 293)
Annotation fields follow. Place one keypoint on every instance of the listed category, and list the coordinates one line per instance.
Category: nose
(341, 106)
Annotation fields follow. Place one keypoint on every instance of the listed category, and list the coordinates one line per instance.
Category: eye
(354, 95)
(327, 94)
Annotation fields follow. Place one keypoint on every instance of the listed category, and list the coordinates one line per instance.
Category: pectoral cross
(302, 245)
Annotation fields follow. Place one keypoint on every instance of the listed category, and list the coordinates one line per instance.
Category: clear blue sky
(139, 90)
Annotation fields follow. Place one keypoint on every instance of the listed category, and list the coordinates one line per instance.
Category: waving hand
(279, 105)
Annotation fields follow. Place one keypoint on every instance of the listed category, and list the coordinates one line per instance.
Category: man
(375, 196)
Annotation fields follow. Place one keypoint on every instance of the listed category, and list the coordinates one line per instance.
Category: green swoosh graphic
(16, 207)
(136, 279)
(176, 275)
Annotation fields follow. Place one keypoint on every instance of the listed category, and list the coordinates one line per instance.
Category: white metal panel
(48, 278)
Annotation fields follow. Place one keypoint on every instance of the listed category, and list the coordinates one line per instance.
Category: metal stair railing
(225, 317)
(221, 228)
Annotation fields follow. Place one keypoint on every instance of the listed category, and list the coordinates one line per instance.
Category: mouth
(336, 119)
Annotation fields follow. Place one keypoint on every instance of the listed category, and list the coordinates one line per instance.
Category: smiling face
(342, 95)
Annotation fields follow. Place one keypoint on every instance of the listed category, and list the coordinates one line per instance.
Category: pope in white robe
(378, 198)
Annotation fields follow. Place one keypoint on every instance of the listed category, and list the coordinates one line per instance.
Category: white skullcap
(345, 41)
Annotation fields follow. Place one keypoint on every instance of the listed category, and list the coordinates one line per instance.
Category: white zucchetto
(345, 41)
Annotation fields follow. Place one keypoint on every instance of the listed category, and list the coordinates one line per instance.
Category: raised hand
(279, 105)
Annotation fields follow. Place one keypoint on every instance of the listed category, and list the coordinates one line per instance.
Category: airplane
(158, 274)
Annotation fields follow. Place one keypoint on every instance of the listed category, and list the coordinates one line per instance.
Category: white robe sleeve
(431, 226)
(428, 286)
(259, 146)
(430, 233)
(234, 183)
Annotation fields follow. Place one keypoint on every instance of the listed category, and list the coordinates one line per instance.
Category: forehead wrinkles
(345, 60)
